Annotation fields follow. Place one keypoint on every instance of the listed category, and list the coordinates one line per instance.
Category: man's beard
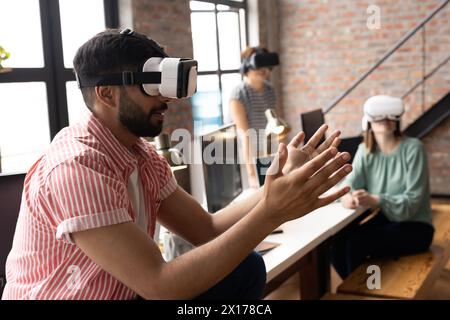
(132, 117)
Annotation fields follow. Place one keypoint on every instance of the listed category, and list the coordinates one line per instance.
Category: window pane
(80, 21)
(229, 82)
(24, 127)
(200, 5)
(207, 104)
(204, 40)
(243, 29)
(75, 103)
(229, 42)
(20, 34)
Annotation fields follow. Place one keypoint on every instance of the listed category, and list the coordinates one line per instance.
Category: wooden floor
(290, 290)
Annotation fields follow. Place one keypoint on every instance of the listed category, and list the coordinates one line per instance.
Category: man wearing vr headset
(390, 172)
(90, 204)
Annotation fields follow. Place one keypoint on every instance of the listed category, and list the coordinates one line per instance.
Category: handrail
(425, 78)
(385, 56)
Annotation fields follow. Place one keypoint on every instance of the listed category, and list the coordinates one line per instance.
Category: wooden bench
(408, 277)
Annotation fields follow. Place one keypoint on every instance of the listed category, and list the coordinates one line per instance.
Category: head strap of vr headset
(125, 78)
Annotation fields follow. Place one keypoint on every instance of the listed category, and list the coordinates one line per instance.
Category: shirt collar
(122, 156)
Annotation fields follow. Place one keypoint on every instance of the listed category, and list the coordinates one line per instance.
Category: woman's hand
(364, 198)
(298, 156)
(348, 201)
(287, 197)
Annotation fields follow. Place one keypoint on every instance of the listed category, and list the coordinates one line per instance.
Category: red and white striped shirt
(79, 184)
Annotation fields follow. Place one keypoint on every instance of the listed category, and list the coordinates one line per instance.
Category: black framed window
(219, 34)
(38, 92)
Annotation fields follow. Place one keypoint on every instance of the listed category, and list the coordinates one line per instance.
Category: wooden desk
(303, 247)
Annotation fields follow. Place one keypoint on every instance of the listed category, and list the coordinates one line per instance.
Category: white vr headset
(170, 77)
(382, 107)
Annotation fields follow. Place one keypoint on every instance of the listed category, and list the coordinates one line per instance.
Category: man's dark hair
(110, 52)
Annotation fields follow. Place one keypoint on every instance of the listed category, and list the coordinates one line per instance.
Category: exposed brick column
(169, 23)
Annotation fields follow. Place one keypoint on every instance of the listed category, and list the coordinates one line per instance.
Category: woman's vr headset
(260, 59)
(382, 107)
(170, 77)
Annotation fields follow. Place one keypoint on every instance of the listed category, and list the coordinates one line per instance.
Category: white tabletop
(302, 235)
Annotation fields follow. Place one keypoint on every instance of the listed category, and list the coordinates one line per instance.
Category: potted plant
(3, 56)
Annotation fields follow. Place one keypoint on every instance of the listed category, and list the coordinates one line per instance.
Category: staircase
(426, 99)
(430, 119)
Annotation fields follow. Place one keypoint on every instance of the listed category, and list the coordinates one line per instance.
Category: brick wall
(326, 45)
(168, 22)
(437, 144)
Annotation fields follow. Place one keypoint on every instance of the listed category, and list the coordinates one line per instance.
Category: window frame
(235, 6)
(54, 74)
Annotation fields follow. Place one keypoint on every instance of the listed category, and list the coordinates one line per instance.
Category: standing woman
(389, 172)
(251, 98)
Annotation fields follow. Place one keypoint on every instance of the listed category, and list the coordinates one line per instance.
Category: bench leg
(315, 273)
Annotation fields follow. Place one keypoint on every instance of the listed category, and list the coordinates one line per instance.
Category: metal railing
(388, 54)
(426, 77)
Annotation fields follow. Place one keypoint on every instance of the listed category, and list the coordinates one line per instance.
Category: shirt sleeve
(401, 207)
(85, 197)
(357, 178)
(237, 94)
(168, 182)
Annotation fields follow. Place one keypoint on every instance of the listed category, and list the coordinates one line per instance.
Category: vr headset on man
(382, 107)
(171, 77)
(260, 59)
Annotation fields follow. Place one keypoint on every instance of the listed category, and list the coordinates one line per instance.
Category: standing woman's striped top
(255, 102)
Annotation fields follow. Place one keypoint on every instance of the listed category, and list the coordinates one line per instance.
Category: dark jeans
(246, 282)
(378, 238)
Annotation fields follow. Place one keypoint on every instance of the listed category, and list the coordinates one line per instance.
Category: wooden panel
(288, 290)
(337, 296)
(404, 278)
(441, 288)
(441, 222)
(315, 276)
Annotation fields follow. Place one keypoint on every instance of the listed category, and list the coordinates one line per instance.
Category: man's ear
(107, 95)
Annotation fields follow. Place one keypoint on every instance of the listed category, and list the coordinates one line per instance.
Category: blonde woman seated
(390, 172)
